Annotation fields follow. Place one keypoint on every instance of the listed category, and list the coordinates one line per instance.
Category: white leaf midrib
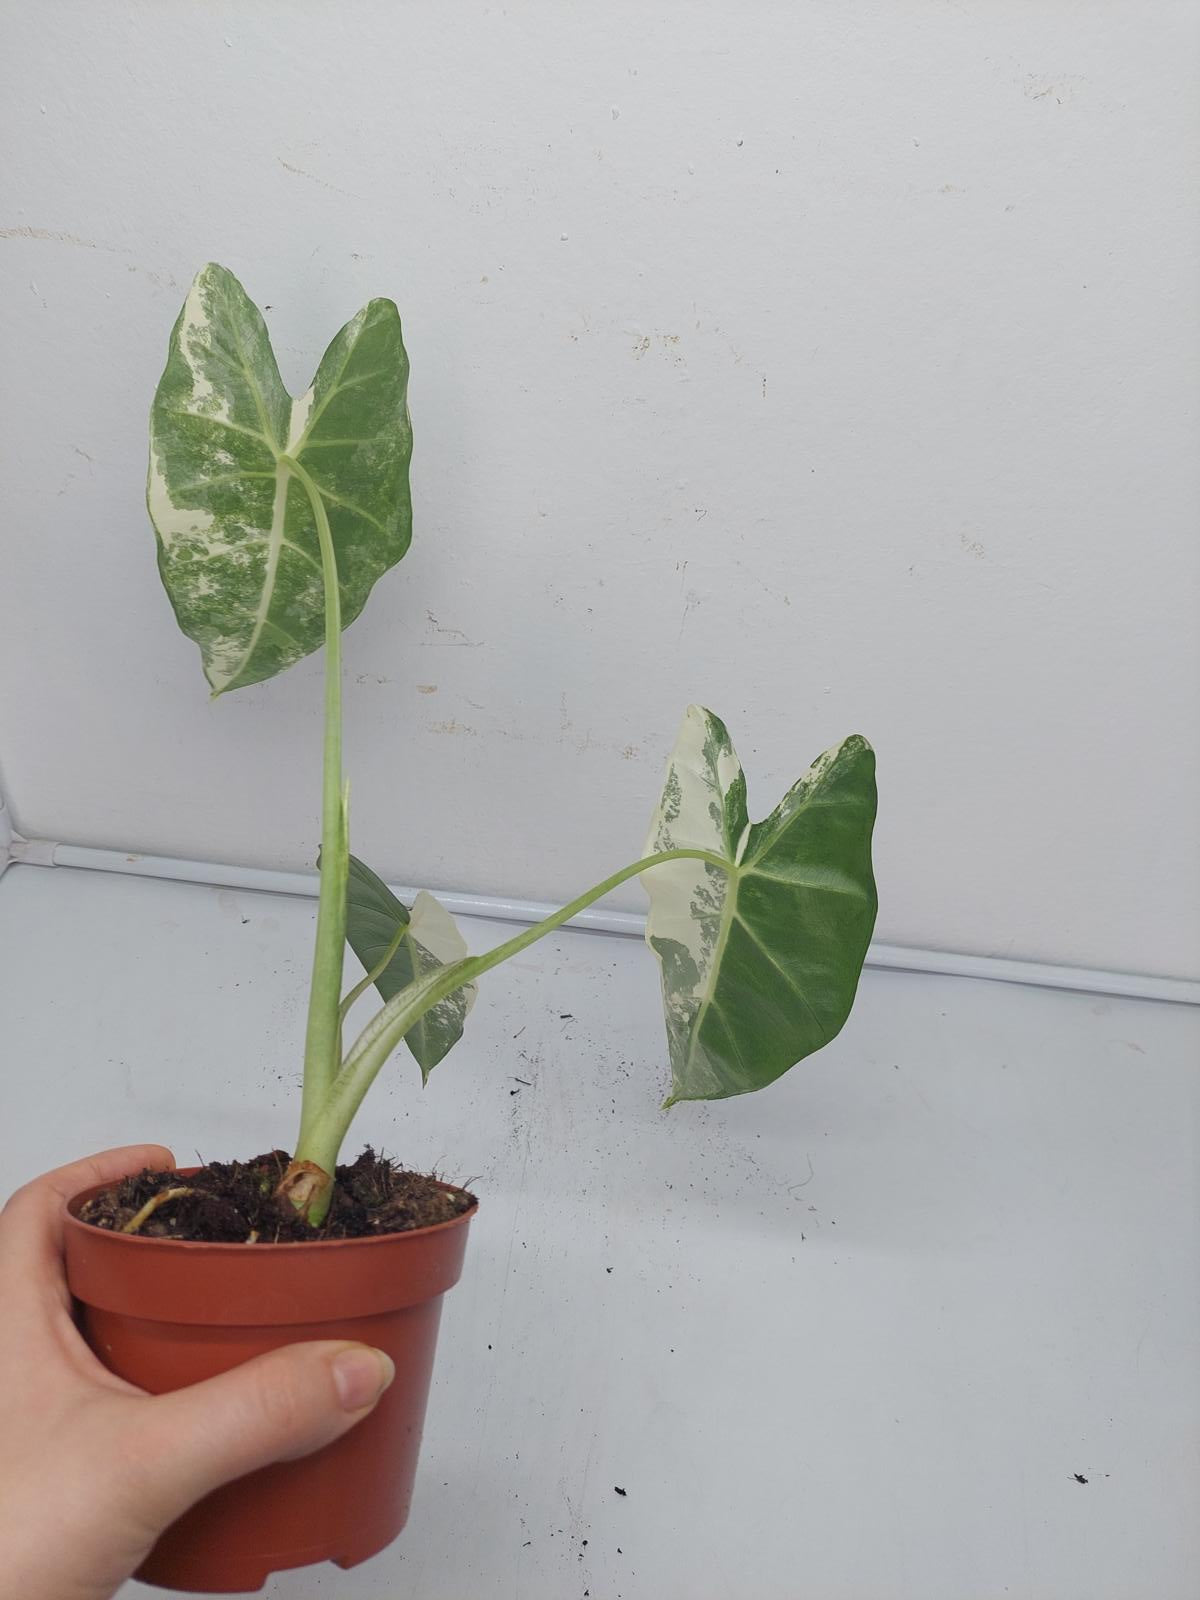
(275, 542)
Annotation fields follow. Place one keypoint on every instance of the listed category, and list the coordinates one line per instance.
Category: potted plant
(274, 518)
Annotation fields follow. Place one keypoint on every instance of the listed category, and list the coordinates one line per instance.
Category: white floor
(852, 1337)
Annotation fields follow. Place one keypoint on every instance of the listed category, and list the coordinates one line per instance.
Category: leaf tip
(212, 269)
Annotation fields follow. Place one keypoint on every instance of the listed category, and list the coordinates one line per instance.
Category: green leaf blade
(237, 540)
(760, 962)
(352, 433)
(373, 916)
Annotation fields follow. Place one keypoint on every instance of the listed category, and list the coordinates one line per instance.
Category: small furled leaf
(237, 539)
(373, 917)
(761, 957)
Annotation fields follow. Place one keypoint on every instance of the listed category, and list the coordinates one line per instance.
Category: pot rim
(293, 1247)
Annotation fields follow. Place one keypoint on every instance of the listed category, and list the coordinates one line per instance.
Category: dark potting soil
(234, 1203)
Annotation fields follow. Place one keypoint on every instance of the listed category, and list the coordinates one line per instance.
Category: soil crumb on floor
(234, 1203)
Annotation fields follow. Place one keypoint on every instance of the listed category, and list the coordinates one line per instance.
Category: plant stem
(327, 1130)
(322, 1042)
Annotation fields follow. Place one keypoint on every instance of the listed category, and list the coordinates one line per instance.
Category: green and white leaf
(373, 917)
(761, 958)
(237, 539)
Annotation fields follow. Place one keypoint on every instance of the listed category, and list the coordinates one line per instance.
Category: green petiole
(322, 1044)
(327, 1130)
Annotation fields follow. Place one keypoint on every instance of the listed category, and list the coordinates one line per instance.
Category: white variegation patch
(437, 943)
(690, 901)
(700, 773)
(301, 411)
(433, 928)
(196, 344)
(174, 521)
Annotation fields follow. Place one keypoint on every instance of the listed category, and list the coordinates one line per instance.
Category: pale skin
(91, 1468)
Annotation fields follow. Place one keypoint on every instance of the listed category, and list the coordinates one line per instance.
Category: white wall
(832, 364)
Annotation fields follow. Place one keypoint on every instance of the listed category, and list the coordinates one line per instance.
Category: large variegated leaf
(237, 540)
(373, 917)
(760, 958)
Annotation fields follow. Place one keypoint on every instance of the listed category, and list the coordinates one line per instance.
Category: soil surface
(234, 1203)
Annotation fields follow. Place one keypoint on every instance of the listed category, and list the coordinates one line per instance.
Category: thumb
(274, 1408)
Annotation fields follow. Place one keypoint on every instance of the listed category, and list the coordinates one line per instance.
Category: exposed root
(140, 1218)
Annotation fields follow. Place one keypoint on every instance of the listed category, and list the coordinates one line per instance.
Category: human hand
(92, 1469)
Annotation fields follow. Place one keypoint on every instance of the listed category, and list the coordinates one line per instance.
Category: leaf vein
(349, 505)
(304, 555)
(804, 883)
(787, 977)
(220, 422)
(217, 477)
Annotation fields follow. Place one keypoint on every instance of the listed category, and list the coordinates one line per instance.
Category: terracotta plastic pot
(163, 1314)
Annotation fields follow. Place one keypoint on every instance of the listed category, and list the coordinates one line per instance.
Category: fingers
(275, 1408)
(31, 1223)
(110, 1166)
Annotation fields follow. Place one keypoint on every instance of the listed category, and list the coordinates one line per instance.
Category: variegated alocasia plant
(274, 519)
